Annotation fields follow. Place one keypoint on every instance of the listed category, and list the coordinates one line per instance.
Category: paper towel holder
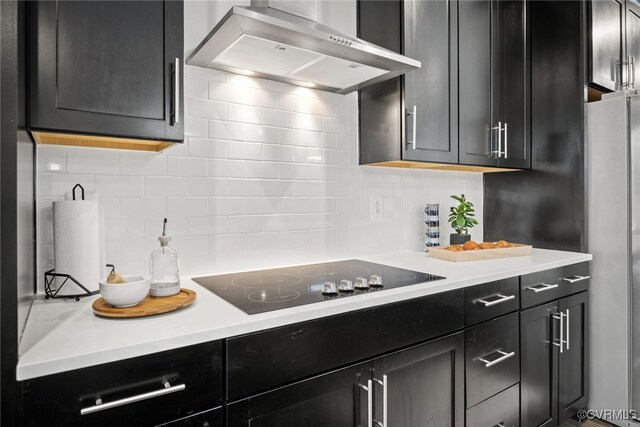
(50, 276)
(73, 192)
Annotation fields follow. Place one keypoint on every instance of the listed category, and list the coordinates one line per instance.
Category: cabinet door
(477, 138)
(336, 399)
(424, 385)
(633, 40)
(539, 366)
(606, 31)
(430, 32)
(573, 367)
(511, 82)
(107, 68)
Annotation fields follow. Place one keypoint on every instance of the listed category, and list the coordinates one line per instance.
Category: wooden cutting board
(480, 254)
(150, 306)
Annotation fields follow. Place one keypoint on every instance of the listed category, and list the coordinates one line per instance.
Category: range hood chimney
(281, 40)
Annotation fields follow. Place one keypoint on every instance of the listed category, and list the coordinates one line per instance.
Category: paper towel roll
(89, 195)
(76, 240)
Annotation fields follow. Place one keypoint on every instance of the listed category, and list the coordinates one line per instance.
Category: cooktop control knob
(362, 283)
(375, 280)
(329, 288)
(345, 286)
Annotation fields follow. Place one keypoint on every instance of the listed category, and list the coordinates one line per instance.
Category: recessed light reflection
(307, 84)
(246, 72)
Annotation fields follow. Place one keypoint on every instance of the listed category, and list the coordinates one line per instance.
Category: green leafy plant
(461, 217)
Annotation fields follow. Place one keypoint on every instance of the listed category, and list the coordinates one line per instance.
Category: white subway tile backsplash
(268, 175)
(85, 160)
(209, 148)
(206, 109)
(277, 118)
(165, 186)
(187, 206)
(207, 187)
(244, 113)
(132, 163)
(187, 167)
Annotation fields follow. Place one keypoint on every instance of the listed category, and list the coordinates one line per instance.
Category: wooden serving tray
(150, 306)
(480, 254)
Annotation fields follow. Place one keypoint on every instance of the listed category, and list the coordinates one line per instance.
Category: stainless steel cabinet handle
(503, 298)
(100, 406)
(369, 389)
(506, 140)
(503, 356)
(560, 317)
(632, 64)
(414, 113)
(499, 129)
(567, 322)
(176, 91)
(383, 383)
(576, 278)
(541, 287)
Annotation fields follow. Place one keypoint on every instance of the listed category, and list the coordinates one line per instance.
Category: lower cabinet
(341, 398)
(419, 386)
(503, 409)
(553, 361)
(422, 385)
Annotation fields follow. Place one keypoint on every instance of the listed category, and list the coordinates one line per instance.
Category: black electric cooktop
(266, 290)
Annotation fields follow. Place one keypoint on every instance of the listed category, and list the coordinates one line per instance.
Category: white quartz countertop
(63, 335)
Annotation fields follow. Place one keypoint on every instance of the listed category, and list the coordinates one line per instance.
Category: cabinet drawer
(490, 300)
(492, 357)
(502, 409)
(211, 418)
(133, 391)
(294, 352)
(549, 285)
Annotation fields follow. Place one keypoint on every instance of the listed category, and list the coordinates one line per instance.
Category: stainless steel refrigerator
(613, 182)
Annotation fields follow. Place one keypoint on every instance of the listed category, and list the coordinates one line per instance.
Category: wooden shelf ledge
(94, 141)
(440, 166)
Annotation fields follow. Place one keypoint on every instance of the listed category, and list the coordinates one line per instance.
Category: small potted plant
(461, 219)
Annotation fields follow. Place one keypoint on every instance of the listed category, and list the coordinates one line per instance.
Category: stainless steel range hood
(273, 44)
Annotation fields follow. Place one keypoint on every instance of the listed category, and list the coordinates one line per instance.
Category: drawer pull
(541, 287)
(503, 356)
(501, 299)
(576, 278)
(99, 406)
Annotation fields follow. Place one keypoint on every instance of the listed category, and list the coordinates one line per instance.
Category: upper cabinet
(494, 84)
(468, 105)
(614, 44)
(106, 73)
(430, 93)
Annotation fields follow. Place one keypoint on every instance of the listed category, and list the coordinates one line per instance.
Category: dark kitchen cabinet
(468, 104)
(494, 84)
(539, 366)
(431, 92)
(421, 385)
(573, 363)
(606, 29)
(106, 68)
(211, 418)
(142, 391)
(340, 398)
(553, 361)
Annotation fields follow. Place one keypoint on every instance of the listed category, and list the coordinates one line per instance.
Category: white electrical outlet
(377, 208)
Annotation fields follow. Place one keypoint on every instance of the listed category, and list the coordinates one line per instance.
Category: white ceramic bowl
(126, 294)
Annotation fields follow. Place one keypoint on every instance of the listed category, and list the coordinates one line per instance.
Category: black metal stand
(52, 292)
